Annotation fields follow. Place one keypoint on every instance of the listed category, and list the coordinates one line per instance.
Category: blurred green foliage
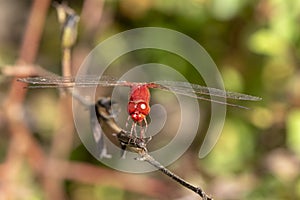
(256, 46)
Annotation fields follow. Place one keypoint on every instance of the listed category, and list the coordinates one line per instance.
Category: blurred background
(254, 43)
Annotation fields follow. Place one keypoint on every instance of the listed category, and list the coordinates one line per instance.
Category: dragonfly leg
(133, 129)
(143, 128)
(127, 122)
(133, 126)
(146, 124)
(135, 132)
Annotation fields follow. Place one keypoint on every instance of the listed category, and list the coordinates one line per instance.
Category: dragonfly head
(138, 110)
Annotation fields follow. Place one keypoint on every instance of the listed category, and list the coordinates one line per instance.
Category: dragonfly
(128, 141)
(103, 114)
(105, 117)
(138, 107)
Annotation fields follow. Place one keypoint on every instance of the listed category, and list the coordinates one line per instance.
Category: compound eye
(142, 106)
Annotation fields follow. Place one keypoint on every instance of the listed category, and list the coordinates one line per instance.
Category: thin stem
(66, 62)
(138, 145)
(63, 138)
(147, 158)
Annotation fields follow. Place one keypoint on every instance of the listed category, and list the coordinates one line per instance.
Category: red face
(138, 110)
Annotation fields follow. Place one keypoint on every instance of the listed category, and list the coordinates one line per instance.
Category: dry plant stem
(147, 158)
(62, 138)
(21, 140)
(138, 145)
(66, 62)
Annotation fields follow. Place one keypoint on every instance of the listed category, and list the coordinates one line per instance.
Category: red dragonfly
(139, 96)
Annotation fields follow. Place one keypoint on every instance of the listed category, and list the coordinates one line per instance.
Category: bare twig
(138, 145)
(148, 158)
(63, 138)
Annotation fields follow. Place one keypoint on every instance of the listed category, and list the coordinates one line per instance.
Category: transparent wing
(66, 82)
(202, 92)
(183, 88)
(193, 89)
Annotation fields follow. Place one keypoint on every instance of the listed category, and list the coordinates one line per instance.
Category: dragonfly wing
(203, 93)
(195, 89)
(68, 82)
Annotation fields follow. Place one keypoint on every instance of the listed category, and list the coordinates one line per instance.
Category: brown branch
(138, 145)
(20, 134)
